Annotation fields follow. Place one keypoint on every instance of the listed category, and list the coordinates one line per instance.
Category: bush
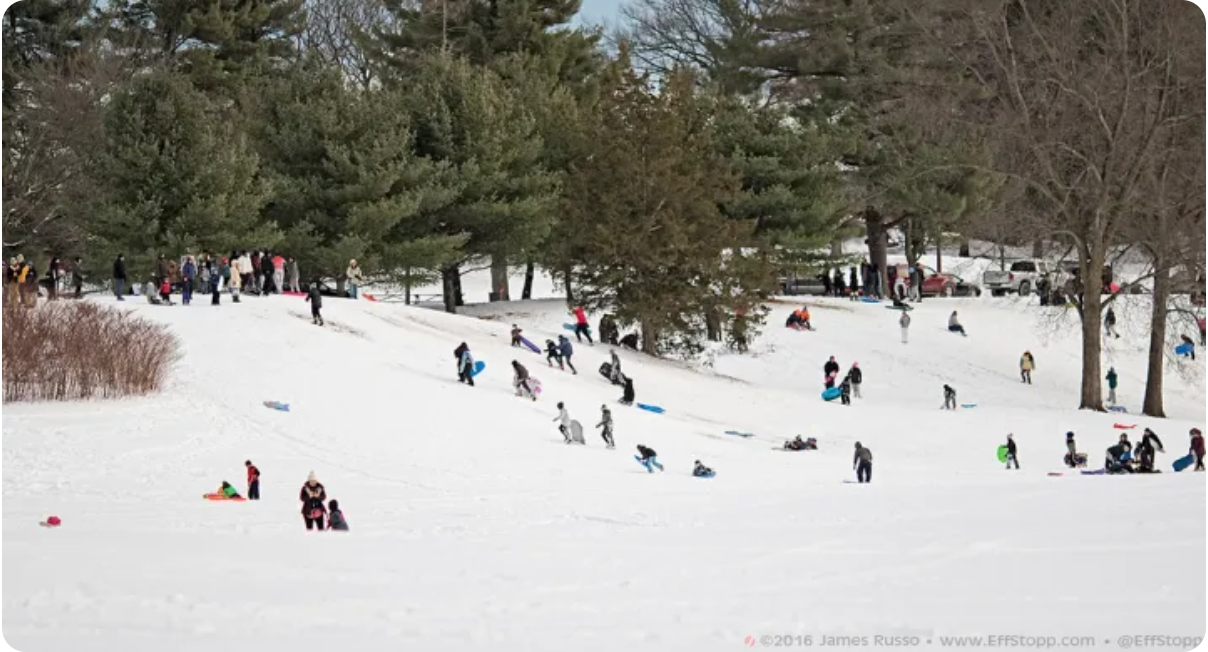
(65, 350)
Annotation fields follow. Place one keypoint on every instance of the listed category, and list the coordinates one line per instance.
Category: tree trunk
(499, 278)
(448, 277)
(570, 295)
(1038, 248)
(939, 251)
(964, 252)
(837, 248)
(407, 287)
(713, 325)
(1152, 406)
(878, 255)
(526, 293)
(650, 340)
(458, 297)
(1092, 329)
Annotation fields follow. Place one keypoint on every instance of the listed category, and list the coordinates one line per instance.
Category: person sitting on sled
(226, 492)
(701, 471)
(796, 444)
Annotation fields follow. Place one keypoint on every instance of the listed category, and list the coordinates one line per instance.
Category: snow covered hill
(475, 527)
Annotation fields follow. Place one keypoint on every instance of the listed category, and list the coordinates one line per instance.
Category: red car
(947, 285)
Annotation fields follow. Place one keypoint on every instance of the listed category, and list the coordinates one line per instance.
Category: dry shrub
(72, 350)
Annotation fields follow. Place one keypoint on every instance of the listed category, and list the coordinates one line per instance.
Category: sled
(831, 393)
(530, 346)
(902, 307)
(220, 497)
(968, 405)
(1121, 426)
(1055, 474)
(740, 434)
(576, 432)
(572, 327)
(368, 297)
(869, 300)
(1118, 408)
(651, 408)
(1183, 462)
(710, 474)
(1002, 454)
(1095, 472)
(479, 365)
(284, 407)
(1184, 349)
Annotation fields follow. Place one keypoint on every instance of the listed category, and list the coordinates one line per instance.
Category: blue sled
(479, 365)
(831, 393)
(869, 300)
(651, 408)
(1095, 472)
(968, 405)
(1118, 408)
(1183, 462)
(571, 327)
(284, 407)
(1184, 349)
(740, 434)
(710, 474)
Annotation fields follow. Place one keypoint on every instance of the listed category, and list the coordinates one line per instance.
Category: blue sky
(599, 11)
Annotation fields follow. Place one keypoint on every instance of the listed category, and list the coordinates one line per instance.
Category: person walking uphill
(355, 277)
(520, 380)
(904, 322)
(465, 364)
(1112, 381)
(648, 458)
(862, 463)
(1197, 448)
(563, 420)
(1012, 452)
(581, 328)
(278, 273)
(830, 371)
(606, 424)
(316, 303)
(312, 496)
(253, 481)
(1026, 364)
(119, 277)
(567, 350)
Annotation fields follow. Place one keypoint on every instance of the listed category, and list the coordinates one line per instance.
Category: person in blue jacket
(465, 364)
(567, 350)
(188, 272)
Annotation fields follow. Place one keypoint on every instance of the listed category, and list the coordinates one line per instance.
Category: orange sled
(222, 497)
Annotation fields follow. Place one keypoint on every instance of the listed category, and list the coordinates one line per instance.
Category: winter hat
(857, 443)
(559, 405)
(1069, 435)
(855, 364)
(312, 477)
(247, 463)
(54, 521)
(333, 504)
(1195, 431)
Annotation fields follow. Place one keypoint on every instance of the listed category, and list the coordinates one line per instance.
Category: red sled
(1121, 426)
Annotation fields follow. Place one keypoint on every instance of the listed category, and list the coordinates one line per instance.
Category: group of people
(1122, 458)
(315, 507)
(22, 285)
(849, 386)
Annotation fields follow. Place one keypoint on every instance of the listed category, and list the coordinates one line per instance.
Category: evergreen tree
(651, 243)
(176, 179)
(349, 183)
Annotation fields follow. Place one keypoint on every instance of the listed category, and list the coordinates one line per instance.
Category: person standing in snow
(465, 364)
(553, 354)
(1071, 457)
(1197, 448)
(1112, 380)
(188, 272)
(904, 322)
(355, 277)
(520, 378)
(278, 273)
(845, 390)
(862, 464)
(606, 424)
(312, 496)
(614, 374)
(257, 270)
(267, 272)
(119, 276)
(954, 325)
(253, 481)
(949, 398)
(1147, 450)
(1109, 323)
(516, 335)
(1012, 452)
(335, 517)
(830, 371)
(294, 279)
(648, 458)
(581, 328)
(316, 303)
(563, 420)
(1026, 364)
(77, 277)
(627, 396)
(567, 350)
(857, 377)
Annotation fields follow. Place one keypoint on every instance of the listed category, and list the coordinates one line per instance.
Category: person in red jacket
(1197, 448)
(581, 327)
(253, 481)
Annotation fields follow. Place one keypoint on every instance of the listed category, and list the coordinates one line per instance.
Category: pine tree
(175, 178)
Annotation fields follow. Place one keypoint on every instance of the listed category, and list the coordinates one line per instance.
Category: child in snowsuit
(564, 425)
(648, 458)
(627, 396)
(1072, 458)
(227, 491)
(253, 481)
(904, 322)
(520, 380)
(606, 423)
(1197, 448)
(701, 471)
(1109, 324)
(165, 294)
(830, 371)
(949, 398)
(465, 364)
(1012, 452)
(1189, 346)
(335, 517)
(856, 377)
(1026, 365)
(316, 303)
(862, 464)
(567, 350)
(553, 354)
(845, 390)
(312, 496)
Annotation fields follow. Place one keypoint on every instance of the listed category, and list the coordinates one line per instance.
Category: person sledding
(225, 492)
(312, 496)
(627, 396)
(553, 354)
(1147, 451)
(520, 381)
(701, 471)
(516, 335)
(465, 364)
(799, 444)
(1012, 452)
(648, 458)
(563, 420)
(830, 371)
(1187, 348)
(954, 325)
(1073, 458)
(800, 319)
(606, 424)
(335, 517)
(1117, 460)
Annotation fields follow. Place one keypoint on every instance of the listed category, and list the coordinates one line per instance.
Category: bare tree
(334, 33)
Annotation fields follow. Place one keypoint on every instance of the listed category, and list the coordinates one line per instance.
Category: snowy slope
(474, 527)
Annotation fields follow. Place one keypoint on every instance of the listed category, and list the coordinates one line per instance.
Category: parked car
(809, 286)
(936, 284)
(1022, 277)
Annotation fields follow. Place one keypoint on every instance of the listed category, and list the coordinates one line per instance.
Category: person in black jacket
(119, 276)
(857, 377)
(266, 270)
(830, 370)
(316, 303)
(845, 390)
(1012, 452)
(627, 396)
(1146, 450)
(312, 496)
(77, 277)
(862, 463)
(949, 398)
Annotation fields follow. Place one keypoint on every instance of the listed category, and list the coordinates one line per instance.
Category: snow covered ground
(475, 527)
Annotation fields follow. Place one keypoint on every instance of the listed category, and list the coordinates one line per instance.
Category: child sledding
(701, 471)
(798, 444)
(799, 320)
(225, 492)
